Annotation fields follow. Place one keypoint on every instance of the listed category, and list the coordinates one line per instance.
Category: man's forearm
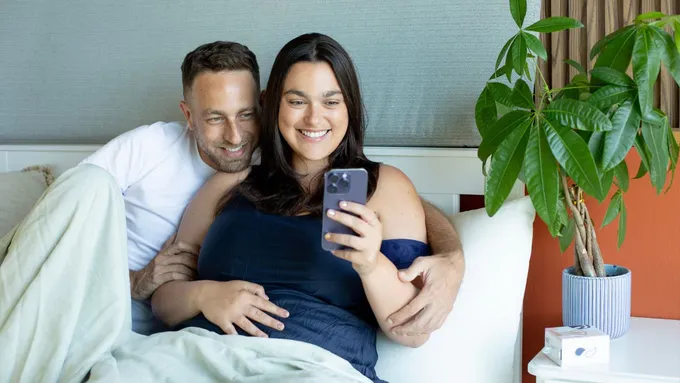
(441, 234)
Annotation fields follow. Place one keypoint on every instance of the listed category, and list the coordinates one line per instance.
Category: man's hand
(176, 261)
(441, 275)
(236, 303)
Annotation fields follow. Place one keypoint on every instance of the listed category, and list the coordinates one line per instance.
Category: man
(159, 168)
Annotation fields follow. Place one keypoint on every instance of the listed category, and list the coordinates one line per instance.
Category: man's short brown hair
(218, 56)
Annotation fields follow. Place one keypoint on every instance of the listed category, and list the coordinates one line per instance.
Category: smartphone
(341, 185)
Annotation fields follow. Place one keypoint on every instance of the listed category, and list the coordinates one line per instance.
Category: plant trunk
(587, 256)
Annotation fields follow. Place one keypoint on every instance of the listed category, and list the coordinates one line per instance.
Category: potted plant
(570, 142)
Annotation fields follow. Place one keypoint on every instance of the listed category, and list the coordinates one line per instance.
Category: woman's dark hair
(274, 187)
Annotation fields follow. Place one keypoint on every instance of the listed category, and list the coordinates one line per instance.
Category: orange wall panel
(651, 251)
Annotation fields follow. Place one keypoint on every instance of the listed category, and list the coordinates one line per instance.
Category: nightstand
(648, 352)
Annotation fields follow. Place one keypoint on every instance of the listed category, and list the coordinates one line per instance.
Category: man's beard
(224, 163)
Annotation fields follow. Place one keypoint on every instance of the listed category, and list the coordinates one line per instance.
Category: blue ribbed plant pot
(602, 302)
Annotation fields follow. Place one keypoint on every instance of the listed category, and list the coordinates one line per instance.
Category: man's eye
(247, 116)
(333, 102)
(296, 102)
(215, 120)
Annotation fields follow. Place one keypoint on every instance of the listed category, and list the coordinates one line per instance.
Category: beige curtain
(601, 17)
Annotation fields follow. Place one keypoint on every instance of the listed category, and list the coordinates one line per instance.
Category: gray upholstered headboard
(86, 71)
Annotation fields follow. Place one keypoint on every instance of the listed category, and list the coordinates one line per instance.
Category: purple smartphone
(341, 185)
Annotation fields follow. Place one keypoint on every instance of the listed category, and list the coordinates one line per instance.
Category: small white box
(576, 345)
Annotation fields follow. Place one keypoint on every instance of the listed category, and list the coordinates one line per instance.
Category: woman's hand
(366, 244)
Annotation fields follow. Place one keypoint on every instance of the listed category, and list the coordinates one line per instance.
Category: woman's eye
(296, 102)
(333, 102)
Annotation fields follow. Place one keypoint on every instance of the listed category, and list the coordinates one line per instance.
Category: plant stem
(598, 262)
(579, 247)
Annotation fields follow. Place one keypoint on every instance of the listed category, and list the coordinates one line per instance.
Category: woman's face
(313, 116)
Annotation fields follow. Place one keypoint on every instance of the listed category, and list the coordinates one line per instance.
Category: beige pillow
(19, 191)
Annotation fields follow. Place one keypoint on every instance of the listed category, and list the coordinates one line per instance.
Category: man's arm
(441, 273)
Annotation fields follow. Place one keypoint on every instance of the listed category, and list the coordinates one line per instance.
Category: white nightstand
(649, 352)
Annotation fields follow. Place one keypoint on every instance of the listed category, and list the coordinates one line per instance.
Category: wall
(86, 71)
(651, 251)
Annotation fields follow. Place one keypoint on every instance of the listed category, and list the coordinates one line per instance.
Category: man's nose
(232, 133)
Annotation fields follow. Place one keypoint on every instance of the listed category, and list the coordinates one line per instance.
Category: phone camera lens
(343, 183)
(333, 178)
(332, 188)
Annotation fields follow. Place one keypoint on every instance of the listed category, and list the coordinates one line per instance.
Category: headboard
(441, 175)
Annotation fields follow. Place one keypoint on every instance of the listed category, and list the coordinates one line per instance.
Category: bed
(481, 340)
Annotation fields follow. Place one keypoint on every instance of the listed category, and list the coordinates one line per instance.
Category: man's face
(223, 112)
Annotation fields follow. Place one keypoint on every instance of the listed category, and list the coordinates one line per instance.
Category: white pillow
(477, 341)
(19, 191)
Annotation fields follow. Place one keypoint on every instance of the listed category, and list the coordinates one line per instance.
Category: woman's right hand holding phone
(366, 244)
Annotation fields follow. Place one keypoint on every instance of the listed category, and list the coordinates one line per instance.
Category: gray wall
(85, 71)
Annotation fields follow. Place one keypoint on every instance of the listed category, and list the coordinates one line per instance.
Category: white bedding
(65, 307)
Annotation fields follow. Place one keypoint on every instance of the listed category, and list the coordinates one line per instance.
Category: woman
(267, 229)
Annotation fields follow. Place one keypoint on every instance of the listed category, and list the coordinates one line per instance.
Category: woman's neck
(308, 170)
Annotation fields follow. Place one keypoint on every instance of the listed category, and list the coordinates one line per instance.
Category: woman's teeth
(314, 134)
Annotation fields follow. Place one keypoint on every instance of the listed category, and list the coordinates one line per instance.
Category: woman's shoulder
(398, 205)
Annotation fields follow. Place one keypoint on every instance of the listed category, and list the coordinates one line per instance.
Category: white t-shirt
(158, 169)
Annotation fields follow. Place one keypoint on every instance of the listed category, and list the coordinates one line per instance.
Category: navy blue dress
(322, 293)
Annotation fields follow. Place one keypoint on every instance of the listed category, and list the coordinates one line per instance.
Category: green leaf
(501, 93)
(673, 150)
(519, 54)
(622, 224)
(621, 174)
(521, 95)
(500, 72)
(646, 66)
(642, 150)
(596, 146)
(613, 209)
(562, 214)
(542, 177)
(572, 153)
(527, 72)
(612, 76)
(505, 167)
(642, 170)
(618, 51)
(503, 51)
(669, 52)
(567, 235)
(554, 24)
(578, 115)
(676, 29)
(620, 139)
(535, 45)
(509, 61)
(650, 15)
(576, 66)
(607, 180)
(656, 139)
(485, 112)
(609, 95)
(518, 9)
(503, 128)
(597, 48)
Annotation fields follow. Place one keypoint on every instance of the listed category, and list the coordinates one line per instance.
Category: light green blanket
(65, 307)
